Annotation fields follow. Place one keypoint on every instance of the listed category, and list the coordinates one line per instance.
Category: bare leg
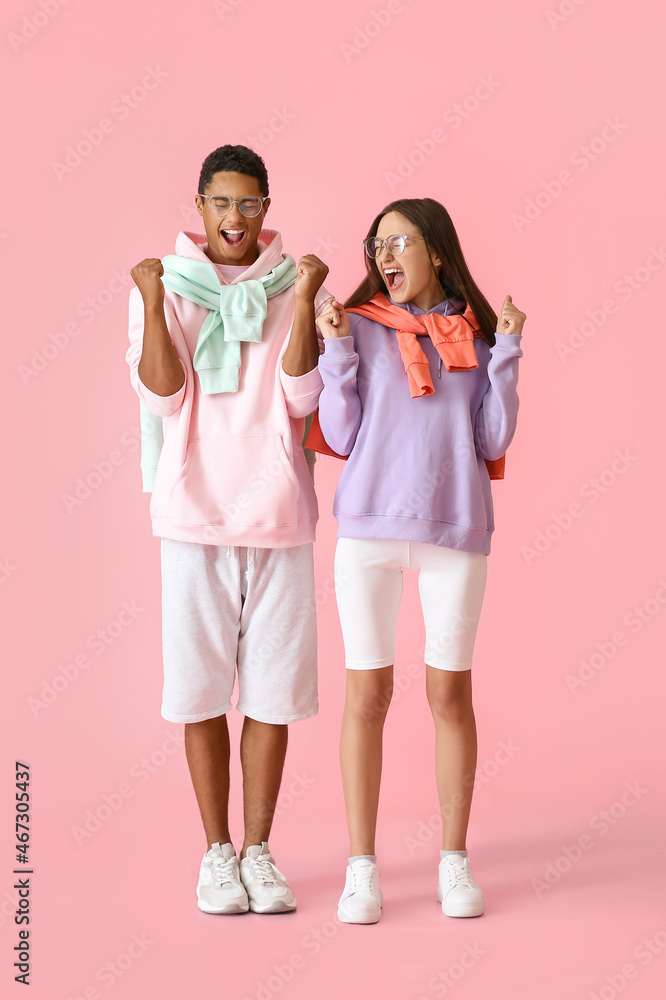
(207, 752)
(450, 698)
(263, 750)
(367, 700)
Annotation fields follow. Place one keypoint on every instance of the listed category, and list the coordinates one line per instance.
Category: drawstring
(250, 558)
(446, 313)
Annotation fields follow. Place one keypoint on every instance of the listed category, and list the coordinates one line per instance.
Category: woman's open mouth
(394, 277)
(233, 237)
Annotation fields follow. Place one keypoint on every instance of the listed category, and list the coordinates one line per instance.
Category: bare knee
(449, 695)
(206, 727)
(369, 695)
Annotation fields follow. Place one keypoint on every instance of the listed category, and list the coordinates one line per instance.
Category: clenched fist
(333, 320)
(147, 274)
(510, 319)
(310, 277)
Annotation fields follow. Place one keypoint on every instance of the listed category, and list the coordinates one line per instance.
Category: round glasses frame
(394, 244)
(233, 201)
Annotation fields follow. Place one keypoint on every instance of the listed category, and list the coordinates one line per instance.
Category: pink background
(352, 102)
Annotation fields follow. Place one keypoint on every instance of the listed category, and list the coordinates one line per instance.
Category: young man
(224, 362)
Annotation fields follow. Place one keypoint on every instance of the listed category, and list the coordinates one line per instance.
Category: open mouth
(233, 237)
(394, 277)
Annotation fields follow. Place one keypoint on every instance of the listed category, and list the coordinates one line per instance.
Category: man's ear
(199, 203)
(266, 204)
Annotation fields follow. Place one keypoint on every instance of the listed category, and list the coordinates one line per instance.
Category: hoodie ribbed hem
(265, 536)
(414, 529)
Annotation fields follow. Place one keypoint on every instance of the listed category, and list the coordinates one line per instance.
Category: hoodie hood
(269, 244)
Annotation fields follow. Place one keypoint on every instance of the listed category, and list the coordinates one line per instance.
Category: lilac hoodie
(416, 467)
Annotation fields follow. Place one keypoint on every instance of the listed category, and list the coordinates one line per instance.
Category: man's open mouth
(394, 277)
(233, 237)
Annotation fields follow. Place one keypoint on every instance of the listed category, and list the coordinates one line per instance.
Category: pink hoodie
(232, 470)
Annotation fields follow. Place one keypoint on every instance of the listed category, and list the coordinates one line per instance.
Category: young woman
(420, 393)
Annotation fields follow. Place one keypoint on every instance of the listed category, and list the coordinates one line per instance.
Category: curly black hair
(239, 159)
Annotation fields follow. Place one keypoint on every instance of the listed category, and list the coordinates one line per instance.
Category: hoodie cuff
(162, 406)
(296, 386)
(508, 341)
(339, 347)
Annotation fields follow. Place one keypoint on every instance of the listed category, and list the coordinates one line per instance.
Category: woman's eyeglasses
(394, 244)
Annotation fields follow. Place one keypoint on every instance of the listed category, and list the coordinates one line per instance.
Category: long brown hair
(454, 277)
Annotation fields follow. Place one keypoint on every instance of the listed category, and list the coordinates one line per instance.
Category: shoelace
(222, 869)
(459, 872)
(362, 879)
(263, 871)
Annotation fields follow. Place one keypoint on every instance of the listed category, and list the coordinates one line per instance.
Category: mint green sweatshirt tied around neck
(236, 313)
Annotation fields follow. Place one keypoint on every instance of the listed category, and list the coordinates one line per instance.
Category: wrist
(305, 297)
(332, 337)
(153, 305)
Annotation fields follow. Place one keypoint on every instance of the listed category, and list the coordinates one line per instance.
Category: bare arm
(159, 369)
(302, 351)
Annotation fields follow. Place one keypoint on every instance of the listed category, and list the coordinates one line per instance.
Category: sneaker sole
(230, 909)
(470, 911)
(277, 907)
(357, 920)
(346, 918)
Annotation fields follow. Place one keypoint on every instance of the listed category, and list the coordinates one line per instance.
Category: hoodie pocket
(236, 480)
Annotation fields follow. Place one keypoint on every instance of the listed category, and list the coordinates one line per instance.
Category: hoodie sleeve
(339, 404)
(301, 392)
(161, 406)
(495, 421)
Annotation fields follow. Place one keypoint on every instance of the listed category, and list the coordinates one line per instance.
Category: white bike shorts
(368, 587)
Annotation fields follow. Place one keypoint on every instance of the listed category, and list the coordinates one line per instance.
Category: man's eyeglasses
(249, 207)
(394, 244)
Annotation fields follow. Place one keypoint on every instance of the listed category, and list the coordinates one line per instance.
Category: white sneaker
(267, 888)
(220, 889)
(457, 891)
(361, 901)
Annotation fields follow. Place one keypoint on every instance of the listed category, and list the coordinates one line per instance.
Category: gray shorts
(225, 605)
